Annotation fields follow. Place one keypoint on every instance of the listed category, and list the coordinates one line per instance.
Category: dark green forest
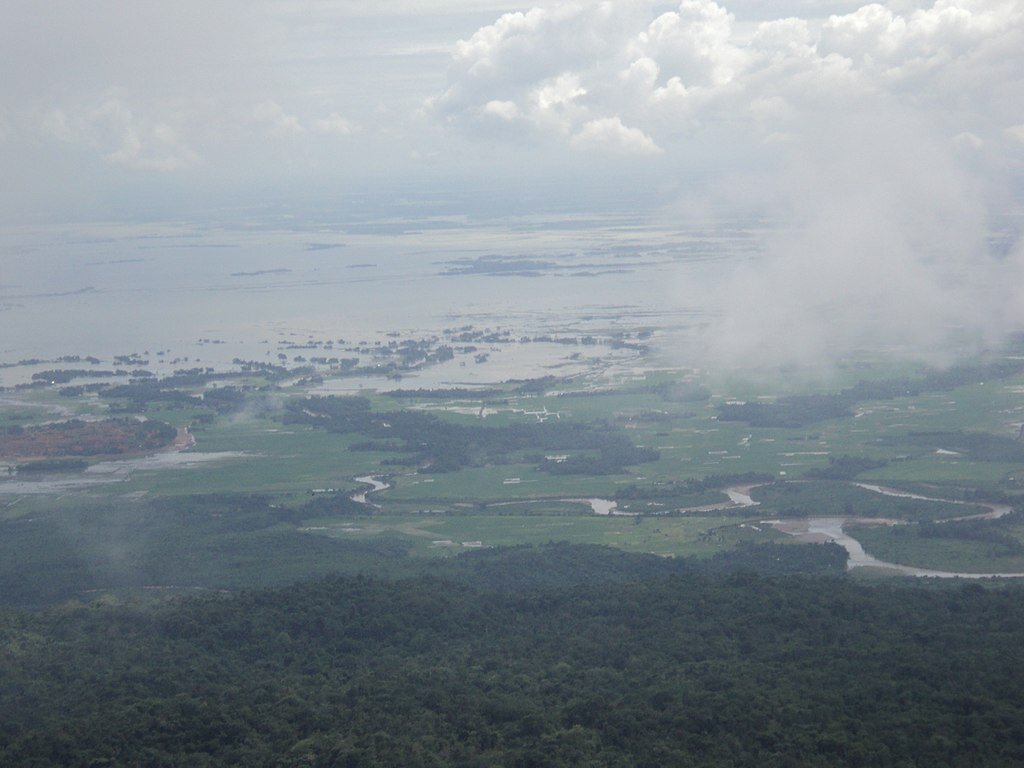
(559, 655)
(435, 445)
(221, 629)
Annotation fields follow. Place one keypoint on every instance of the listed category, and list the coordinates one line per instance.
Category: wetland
(371, 406)
(458, 498)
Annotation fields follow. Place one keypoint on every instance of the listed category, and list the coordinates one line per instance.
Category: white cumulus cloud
(873, 138)
(559, 68)
(112, 127)
(609, 134)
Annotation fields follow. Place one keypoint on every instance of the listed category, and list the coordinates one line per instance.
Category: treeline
(669, 391)
(993, 532)
(681, 670)
(188, 377)
(65, 375)
(451, 393)
(51, 465)
(845, 467)
(238, 541)
(173, 544)
(140, 395)
(819, 498)
(558, 565)
(674, 488)
(436, 445)
(792, 411)
(800, 410)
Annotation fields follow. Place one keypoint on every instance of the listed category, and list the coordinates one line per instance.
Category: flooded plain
(115, 471)
(185, 297)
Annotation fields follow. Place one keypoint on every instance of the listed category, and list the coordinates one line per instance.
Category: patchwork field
(668, 462)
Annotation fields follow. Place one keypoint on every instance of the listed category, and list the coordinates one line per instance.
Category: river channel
(833, 529)
(810, 529)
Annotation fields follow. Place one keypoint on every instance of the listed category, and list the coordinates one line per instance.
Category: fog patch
(880, 243)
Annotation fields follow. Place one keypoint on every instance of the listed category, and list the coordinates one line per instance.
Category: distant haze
(876, 149)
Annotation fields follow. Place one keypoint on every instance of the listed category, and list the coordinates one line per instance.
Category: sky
(887, 139)
(107, 106)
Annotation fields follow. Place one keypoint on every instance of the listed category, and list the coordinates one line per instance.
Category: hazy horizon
(873, 152)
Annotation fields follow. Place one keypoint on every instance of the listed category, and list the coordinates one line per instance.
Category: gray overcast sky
(112, 109)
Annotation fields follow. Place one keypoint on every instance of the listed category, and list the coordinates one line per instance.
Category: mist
(882, 242)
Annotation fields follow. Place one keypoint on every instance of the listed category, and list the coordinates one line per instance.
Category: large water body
(204, 296)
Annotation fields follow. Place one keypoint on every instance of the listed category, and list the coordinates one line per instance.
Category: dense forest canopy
(305, 605)
(643, 670)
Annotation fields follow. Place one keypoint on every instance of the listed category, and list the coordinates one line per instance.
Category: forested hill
(683, 670)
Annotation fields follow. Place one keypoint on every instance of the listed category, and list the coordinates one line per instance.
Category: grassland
(906, 545)
(436, 534)
(957, 443)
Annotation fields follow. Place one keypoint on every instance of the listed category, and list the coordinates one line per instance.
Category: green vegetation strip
(986, 549)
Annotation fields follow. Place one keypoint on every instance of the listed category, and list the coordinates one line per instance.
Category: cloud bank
(554, 71)
(883, 143)
(880, 143)
(884, 244)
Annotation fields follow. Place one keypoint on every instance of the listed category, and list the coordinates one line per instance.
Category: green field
(950, 443)
(447, 534)
(906, 545)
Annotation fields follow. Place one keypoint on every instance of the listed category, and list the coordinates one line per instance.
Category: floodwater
(205, 297)
(603, 507)
(740, 496)
(116, 470)
(377, 485)
(509, 361)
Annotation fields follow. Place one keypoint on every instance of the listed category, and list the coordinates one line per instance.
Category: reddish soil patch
(76, 438)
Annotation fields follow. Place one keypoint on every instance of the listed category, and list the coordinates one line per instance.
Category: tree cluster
(437, 445)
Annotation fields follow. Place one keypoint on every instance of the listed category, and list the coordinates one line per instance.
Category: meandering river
(816, 529)
(833, 529)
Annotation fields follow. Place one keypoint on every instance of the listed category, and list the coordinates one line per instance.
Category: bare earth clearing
(78, 438)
